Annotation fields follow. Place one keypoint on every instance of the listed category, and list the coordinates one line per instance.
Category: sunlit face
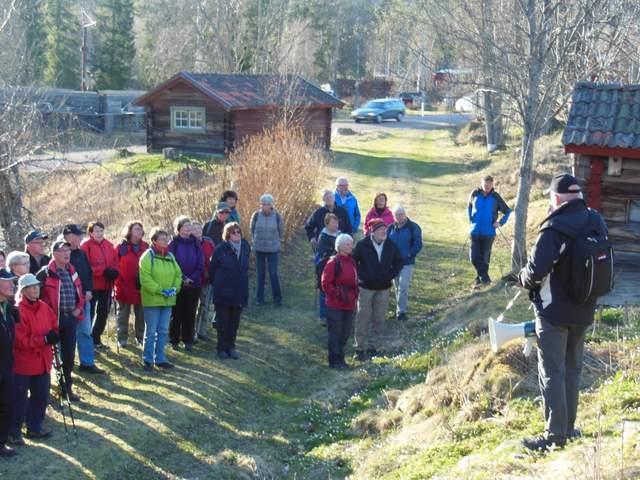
(400, 217)
(20, 268)
(347, 247)
(73, 240)
(332, 226)
(185, 230)
(196, 230)
(97, 234)
(36, 247)
(380, 234)
(7, 289)
(223, 215)
(31, 293)
(231, 202)
(329, 199)
(487, 186)
(381, 201)
(162, 241)
(342, 186)
(137, 232)
(62, 256)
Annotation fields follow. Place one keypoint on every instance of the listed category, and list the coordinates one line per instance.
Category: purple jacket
(190, 258)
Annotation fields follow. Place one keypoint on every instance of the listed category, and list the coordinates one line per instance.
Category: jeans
(67, 330)
(372, 310)
(228, 319)
(480, 255)
(156, 320)
(6, 403)
(339, 325)
(560, 352)
(271, 260)
(100, 306)
(401, 284)
(32, 408)
(183, 320)
(124, 312)
(86, 353)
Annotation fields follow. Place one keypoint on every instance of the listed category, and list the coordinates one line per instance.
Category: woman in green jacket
(160, 281)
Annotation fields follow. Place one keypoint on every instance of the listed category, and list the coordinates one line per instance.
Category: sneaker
(541, 444)
(223, 355)
(90, 369)
(16, 440)
(148, 367)
(402, 317)
(165, 365)
(7, 452)
(31, 435)
(486, 281)
(360, 356)
(233, 354)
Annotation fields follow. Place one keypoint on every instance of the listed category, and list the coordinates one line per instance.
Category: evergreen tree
(62, 51)
(31, 15)
(115, 44)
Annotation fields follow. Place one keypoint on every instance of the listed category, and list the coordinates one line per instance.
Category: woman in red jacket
(380, 210)
(126, 290)
(36, 332)
(340, 285)
(104, 266)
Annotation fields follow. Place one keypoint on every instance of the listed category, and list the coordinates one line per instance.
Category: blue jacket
(548, 272)
(230, 275)
(483, 212)
(408, 239)
(190, 258)
(350, 204)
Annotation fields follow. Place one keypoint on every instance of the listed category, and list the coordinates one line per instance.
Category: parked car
(380, 110)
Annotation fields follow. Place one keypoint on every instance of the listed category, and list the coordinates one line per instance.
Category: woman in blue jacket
(229, 275)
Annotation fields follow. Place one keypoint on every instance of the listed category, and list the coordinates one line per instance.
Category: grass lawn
(279, 412)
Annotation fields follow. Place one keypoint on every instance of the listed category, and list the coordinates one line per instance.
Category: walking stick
(63, 393)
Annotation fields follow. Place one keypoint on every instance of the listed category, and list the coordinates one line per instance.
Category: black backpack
(590, 261)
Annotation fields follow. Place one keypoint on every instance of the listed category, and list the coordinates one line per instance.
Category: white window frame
(188, 119)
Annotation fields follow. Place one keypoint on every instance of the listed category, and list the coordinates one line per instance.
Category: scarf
(236, 247)
(162, 251)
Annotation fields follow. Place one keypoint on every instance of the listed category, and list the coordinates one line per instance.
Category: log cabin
(213, 113)
(603, 135)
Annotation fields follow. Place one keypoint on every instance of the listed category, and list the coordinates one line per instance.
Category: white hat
(27, 280)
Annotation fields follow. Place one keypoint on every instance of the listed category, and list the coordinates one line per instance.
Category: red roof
(243, 91)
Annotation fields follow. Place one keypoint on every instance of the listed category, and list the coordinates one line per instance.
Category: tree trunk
(519, 245)
(492, 107)
(11, 213)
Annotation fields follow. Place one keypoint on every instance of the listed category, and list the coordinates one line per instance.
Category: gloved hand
(169, 292)
(51, 338)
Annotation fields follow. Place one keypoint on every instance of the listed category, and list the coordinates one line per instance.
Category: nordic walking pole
(64, 393)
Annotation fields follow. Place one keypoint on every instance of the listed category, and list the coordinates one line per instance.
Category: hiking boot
(360, 356)
(148, 367)
(402, 317)
(188, 347)
(16, 440)
(165, 365)
(31, 435)
(7, 452)
(372, 352)
(574, 434)
(90, 369)
(223, 355)
(233, 354)
(541, 444)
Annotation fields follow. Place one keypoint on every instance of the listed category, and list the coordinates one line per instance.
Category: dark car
(380, 110)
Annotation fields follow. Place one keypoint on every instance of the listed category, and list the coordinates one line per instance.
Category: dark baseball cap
(564, 183)
(73, 229)
(59, 244)
(35, 235)
(6, 274)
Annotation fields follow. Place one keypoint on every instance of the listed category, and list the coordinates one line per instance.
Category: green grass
(148, 164)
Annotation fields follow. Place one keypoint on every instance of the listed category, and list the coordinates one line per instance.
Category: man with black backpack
(570, 266)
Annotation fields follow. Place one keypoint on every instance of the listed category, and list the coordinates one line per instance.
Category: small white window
(187, 119)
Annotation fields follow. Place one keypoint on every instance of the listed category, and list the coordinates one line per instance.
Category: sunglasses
(236, 232)
(225, 212)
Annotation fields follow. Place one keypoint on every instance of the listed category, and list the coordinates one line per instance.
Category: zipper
(592, 268)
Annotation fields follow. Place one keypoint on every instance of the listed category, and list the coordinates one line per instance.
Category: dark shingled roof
(244, 91)
(604, 115)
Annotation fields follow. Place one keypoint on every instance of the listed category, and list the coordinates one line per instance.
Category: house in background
(603, 134)
(212, 113)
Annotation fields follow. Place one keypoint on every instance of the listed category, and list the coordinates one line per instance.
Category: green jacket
(158, 273)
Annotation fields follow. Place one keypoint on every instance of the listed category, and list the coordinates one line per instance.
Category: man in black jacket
(34, 245)
(8, 319)
(315, 224)
(561, 322)
(214, 227)
(379, 261)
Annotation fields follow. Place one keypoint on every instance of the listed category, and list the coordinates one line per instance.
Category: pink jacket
(387, 218)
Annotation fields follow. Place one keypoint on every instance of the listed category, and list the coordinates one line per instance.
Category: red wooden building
(603, 134)
(212, 113)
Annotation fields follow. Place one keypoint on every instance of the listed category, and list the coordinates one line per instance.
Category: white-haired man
(347, 200)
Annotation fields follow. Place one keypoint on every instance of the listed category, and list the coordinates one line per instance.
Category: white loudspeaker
(500, 333)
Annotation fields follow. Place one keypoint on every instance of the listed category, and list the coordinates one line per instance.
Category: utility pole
(88, 22)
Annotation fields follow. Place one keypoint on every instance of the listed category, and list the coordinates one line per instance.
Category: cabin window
(634, 211)
(187, 119)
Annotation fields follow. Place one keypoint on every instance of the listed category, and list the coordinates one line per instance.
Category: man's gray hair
(342, 239)
(399, 209)
(326, 192)
(266, 198)
(567, 197)
(16, 257)
(341, 179)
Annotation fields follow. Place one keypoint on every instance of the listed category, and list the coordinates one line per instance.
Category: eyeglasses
(236, 232)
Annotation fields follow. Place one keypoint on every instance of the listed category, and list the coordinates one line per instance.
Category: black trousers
(340, 326)
(183, 316)
(68, 328)
(481, 255)
(100, 306)
(6, 403)
(228, 319)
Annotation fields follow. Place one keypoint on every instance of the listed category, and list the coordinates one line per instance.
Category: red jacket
(101, 256)
(50, 288)
(208, 247)
(125, 287)
(386, 217)
(341, 292)
(32, 355)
